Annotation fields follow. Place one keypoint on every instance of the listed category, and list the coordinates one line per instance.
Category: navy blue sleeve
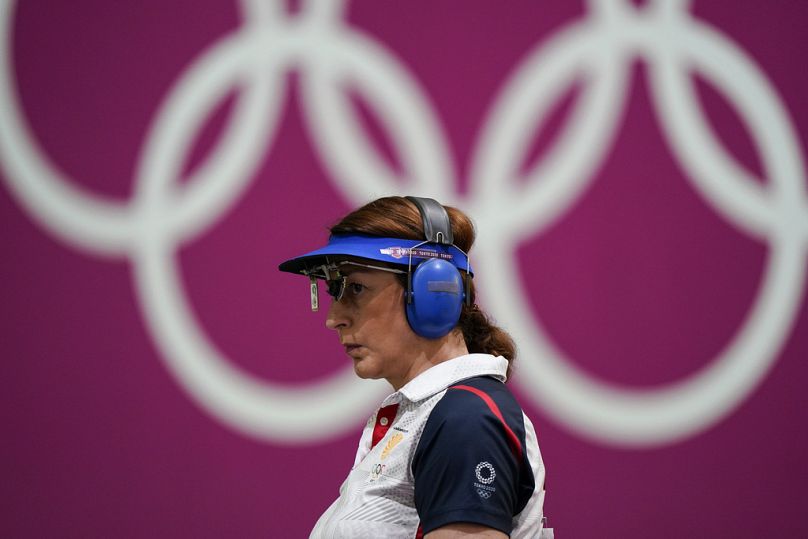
(470, 464)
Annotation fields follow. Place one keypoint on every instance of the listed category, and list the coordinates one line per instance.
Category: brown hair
(397, 217)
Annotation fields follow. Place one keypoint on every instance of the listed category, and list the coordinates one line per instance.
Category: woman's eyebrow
(359, 275)
(353, 270)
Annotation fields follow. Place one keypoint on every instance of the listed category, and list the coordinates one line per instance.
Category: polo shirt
(452, 445)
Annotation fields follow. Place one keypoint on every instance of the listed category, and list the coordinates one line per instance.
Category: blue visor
(389, 250)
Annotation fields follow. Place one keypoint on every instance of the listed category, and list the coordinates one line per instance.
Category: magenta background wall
(635, 281)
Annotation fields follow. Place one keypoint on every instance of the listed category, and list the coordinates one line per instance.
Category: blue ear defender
(436, 289)
(434, 299)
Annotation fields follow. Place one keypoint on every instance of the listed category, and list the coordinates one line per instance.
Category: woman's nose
(337, 316)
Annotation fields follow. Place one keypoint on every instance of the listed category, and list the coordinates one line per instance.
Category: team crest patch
(377, 471)
(391, 444)
(395, 252)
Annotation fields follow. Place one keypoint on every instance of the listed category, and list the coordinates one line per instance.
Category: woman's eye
(354, 289)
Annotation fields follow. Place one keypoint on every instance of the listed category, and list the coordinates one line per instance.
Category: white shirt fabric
(378, 498)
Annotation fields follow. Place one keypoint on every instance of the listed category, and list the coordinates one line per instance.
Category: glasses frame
(335, 280)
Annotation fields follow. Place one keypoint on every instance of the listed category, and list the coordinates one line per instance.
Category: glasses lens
(336, 287)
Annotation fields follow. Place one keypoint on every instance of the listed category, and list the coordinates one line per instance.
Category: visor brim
(393, 251)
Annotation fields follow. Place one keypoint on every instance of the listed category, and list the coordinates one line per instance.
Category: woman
(450, 452)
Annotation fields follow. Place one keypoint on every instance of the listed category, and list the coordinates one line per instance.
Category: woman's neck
(434, 352)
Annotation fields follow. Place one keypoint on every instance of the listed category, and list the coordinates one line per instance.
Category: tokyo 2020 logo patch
(486, 474)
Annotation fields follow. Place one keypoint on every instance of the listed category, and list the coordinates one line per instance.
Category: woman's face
(373, 328)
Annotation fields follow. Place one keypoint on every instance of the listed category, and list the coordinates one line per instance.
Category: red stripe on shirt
(513, 440)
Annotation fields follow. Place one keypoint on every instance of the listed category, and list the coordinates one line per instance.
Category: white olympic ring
(330, 55)
(666, 37)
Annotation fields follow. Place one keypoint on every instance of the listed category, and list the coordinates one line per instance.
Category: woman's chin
(365, 370)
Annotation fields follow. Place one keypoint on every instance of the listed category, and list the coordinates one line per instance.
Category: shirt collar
(442, 375)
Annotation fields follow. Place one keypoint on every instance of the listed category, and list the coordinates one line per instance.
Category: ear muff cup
(435, 298)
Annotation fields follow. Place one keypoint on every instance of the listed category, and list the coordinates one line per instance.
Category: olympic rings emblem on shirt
(149, 228)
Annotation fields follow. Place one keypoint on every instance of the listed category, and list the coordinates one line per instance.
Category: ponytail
(484, 337)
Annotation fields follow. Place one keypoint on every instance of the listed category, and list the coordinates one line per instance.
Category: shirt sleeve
(469, 465)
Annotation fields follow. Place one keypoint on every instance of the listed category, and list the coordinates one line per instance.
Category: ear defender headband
(436, 288)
